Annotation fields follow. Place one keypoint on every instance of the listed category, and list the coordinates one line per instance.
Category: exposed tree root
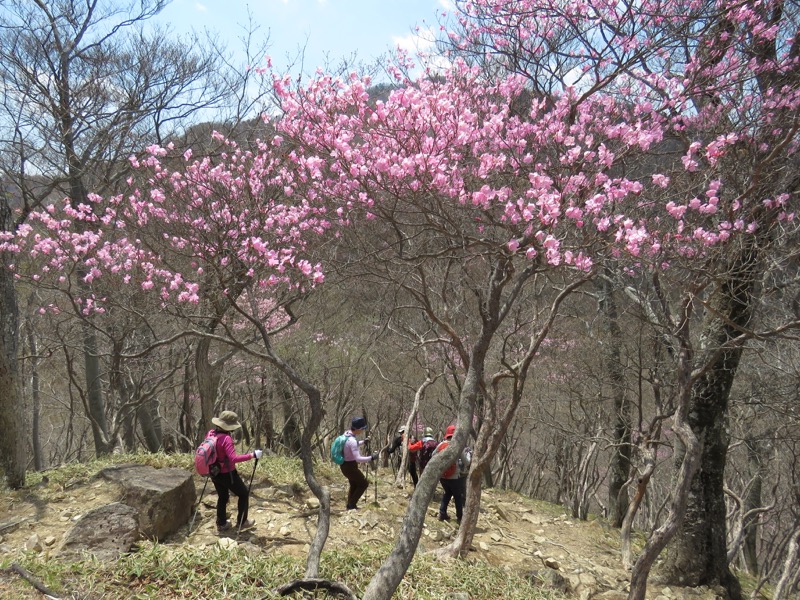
(334, 588)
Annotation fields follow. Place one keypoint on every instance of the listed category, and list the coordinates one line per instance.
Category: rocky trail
(580, 559)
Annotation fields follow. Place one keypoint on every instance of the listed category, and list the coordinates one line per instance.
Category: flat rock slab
(106, 532)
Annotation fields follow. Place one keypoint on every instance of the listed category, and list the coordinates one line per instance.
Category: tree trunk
(752, 501)
(291, 434)
(13, 455)
(150, 422)
(385, 582)
(208, 377)
(677, 509)
(186, 424)
(94, 391)
(13, 444)
(620, 469)
(698, 554)
(36, 400)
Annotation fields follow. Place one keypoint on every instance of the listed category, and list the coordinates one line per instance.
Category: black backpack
(426, 453)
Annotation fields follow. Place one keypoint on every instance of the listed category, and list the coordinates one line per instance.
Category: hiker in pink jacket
(228, 479)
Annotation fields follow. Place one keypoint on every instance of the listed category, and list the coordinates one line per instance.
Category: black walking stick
(191, 523)
(249, 487)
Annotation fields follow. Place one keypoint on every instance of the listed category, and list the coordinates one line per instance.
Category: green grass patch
(166, 571)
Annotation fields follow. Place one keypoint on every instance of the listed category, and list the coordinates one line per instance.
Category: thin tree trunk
(403, 469)
(752, 501)
(186, 424)
(649, 467)
(36, 400)
(690, 459)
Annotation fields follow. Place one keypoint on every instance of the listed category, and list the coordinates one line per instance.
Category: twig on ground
(40, 587)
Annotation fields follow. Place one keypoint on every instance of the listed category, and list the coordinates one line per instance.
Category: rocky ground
(580, 558)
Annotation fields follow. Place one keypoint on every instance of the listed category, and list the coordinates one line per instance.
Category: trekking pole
(249, 487)
(191, 523)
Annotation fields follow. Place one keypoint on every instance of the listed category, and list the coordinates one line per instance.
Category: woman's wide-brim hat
(227, 421)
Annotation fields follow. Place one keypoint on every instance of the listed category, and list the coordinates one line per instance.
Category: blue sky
(335, 27)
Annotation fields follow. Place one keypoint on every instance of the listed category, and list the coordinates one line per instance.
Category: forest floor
(516, 533)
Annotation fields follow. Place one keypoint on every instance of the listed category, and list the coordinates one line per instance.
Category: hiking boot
(226, 526)
(248, 524)
(444, 517)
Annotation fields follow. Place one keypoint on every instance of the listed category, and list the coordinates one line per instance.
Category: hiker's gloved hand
(374, 456)
(366, 440)
(257, 454)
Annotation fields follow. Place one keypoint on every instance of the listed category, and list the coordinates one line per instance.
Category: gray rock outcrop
(164, 498)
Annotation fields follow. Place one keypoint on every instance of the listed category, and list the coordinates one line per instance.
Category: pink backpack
(205, 457)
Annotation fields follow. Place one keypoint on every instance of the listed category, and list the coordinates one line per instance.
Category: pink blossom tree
(219, 242)
(532, 167)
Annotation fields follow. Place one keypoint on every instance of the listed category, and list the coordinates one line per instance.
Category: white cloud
(200, 7)
(410, 43)
(448, 5)
(416, 42)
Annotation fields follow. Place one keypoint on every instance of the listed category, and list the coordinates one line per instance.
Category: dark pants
(358, 483)
(452, 489)
(225, 483)
(412, 468)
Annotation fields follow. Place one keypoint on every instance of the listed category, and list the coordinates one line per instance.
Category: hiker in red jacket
(228, 479)
(450, 482)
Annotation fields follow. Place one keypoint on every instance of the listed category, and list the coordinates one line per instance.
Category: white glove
(257, 454)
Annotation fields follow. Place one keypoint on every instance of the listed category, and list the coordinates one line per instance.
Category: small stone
(552, 563)
(284, 531)
(436, 536)
(531, 519)
(540, 539)
(483, 546)
(668, 592)
(227, 543)
(496, 537)
(32, 544)
(49, 540)
(312, 503)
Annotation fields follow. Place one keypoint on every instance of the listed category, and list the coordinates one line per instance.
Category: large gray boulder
(105, 532)
(164, 498)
